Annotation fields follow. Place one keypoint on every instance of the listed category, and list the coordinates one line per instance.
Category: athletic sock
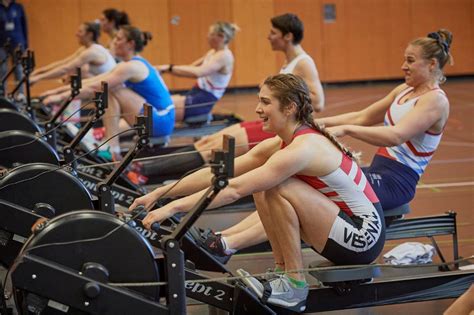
(227, 250)
(278, 269)
(175, 164)
(297, 283)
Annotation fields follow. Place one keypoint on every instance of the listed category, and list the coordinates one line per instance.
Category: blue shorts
(163, 121)
(198, 102)
(393, 183)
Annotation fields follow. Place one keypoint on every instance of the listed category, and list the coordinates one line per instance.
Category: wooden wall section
(363, 43)
(254, 57)
(52, 35)
(458, 17)
(148, 15)
(188, 32)
(366, 41)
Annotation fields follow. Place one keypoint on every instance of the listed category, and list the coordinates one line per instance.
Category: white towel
(410, 253)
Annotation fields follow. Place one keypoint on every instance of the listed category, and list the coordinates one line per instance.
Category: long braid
(290, 88)
(307, 118)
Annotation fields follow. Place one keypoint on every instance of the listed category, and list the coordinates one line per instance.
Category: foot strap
(267, 291)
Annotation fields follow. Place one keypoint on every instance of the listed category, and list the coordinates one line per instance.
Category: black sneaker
(214, 244)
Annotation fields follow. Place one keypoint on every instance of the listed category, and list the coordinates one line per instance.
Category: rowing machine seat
(342, 274)
(396, 213)
(198, 120)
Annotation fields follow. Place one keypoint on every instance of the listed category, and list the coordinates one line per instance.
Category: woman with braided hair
(406, 142)
(305, 184)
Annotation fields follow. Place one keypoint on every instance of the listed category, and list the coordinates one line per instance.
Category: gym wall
(365, 41)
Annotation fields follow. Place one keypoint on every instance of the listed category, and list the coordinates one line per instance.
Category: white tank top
(417, 152)
(290, 67)
(215, 83)
(108, 65)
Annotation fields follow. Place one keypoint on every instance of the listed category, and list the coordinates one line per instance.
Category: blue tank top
(153, 89)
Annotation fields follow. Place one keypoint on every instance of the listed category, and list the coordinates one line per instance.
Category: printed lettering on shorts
(354, 239)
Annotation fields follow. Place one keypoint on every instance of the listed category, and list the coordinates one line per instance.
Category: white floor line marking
(457, 144)
(444, 185)
(452, 161)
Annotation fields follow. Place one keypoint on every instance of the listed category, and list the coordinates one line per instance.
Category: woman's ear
(288, 37)
(131, 44)
(433, 64)
(290, 109)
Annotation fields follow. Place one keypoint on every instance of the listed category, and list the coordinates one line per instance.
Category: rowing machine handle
(140, 210)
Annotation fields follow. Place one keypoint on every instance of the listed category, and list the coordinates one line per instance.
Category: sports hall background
(365, 41)
(359, 55)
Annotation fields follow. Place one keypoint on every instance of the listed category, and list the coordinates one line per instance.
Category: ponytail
(119, 18)
(134, 34)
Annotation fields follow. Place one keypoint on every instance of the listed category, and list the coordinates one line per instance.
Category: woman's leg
(130, 103)
(297, 206)
(214, 141)
(464, 304)
(193, 160)
(178, 101)
(122, 102)
(240, 227)
(266, 214)
(246, 233)
(124, 125)
(111, 121)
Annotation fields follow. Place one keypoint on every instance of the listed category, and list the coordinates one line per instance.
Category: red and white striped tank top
(215, 83)
(346, 186)
(417, 152)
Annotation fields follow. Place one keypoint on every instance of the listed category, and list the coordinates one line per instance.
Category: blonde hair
(437, 45)
(225, 28)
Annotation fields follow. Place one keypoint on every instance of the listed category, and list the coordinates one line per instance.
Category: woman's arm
(198, 62)
(166, 68)
(431, 111)
(57, 63)
(98, 78)
(57, 90)
(85, 57)
(121, 73)
(306, 69)
(280, 166)
(201, 179)
(67, 87)
(218, 61)
(372, 115)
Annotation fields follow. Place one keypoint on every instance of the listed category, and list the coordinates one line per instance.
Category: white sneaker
(283, 293)
(71, 129)
(88, 142)
(72, 112)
